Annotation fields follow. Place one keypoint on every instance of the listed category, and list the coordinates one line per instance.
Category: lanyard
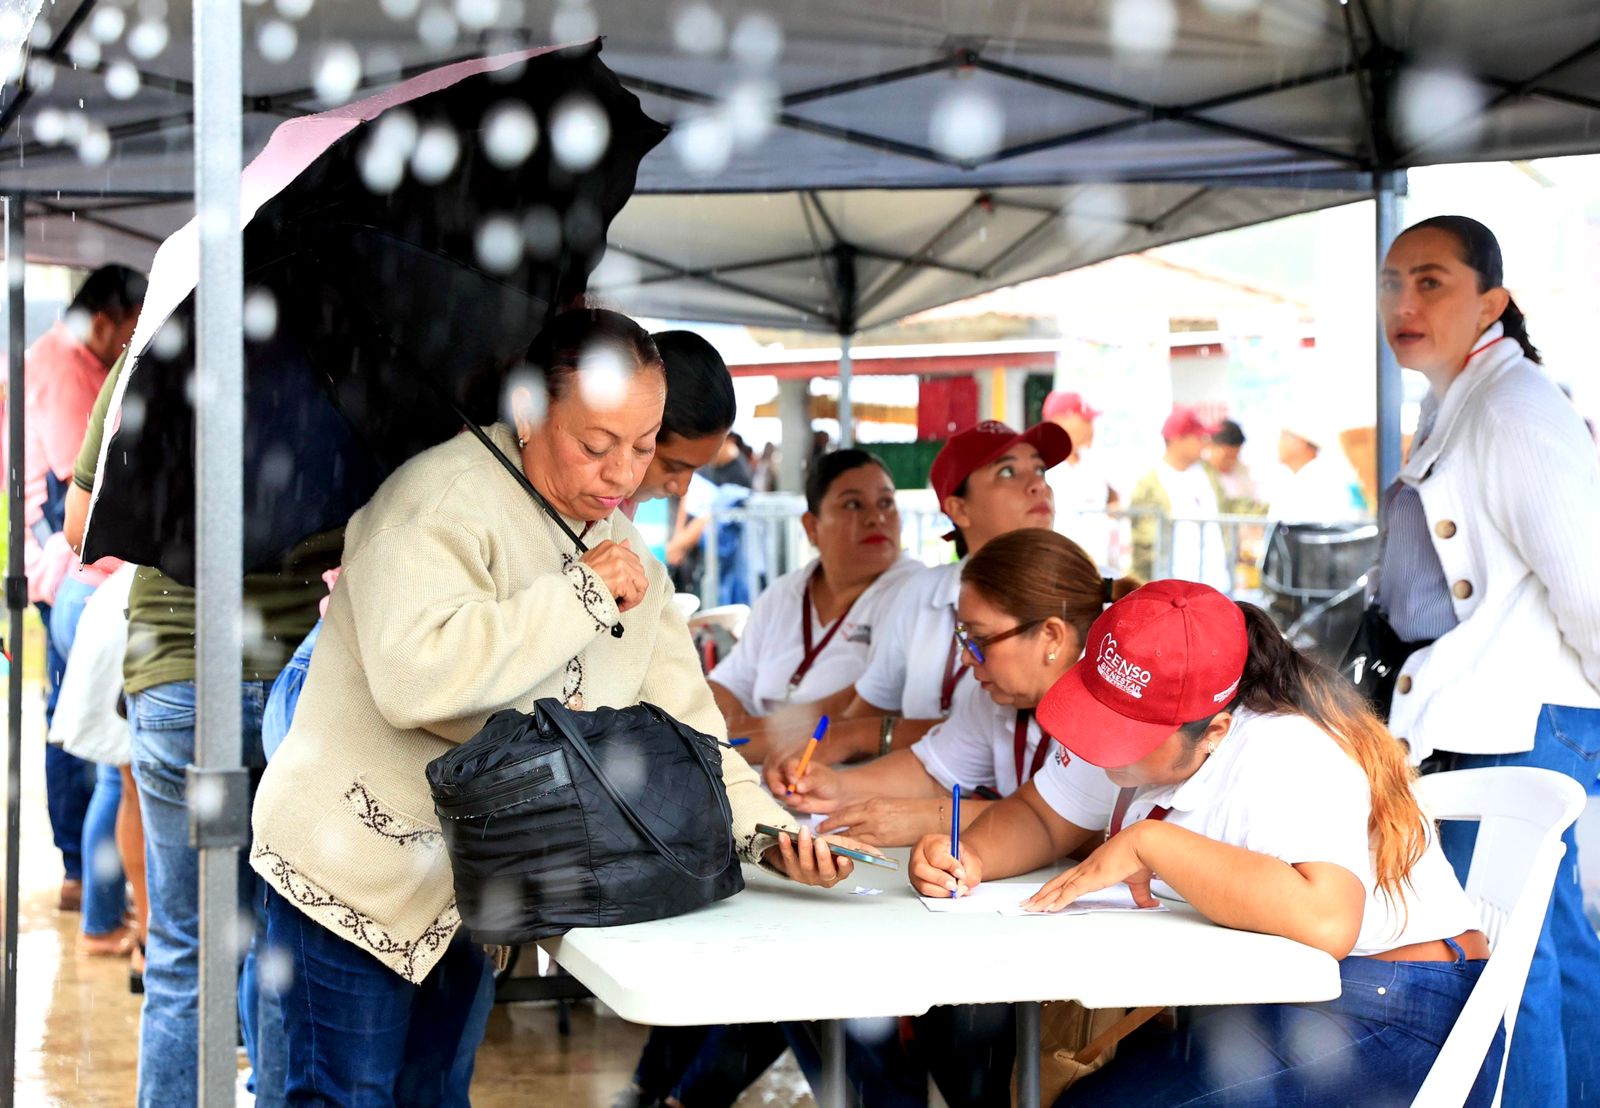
(811, 651)
(1019, 746)
(1125, 798)
(952, 676)
(1481, 349)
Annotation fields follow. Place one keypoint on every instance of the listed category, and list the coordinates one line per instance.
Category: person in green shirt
(280, 606)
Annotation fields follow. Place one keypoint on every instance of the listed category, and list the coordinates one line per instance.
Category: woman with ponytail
(1260, 788)
(1026, 602)
(1487, 577)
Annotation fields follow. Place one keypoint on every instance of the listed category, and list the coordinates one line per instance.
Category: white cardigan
(1510, 485)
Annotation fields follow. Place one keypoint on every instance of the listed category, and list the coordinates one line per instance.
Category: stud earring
(1050, 657)
(522, 443)
(1211, 748)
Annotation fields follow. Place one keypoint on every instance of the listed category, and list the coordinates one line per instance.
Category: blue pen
(737, 742)
(955, 827)
(805, 759)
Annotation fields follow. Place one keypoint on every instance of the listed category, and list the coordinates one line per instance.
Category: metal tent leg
(1028, 1054)
(847, 423)
(1390, 393)
(16, 601)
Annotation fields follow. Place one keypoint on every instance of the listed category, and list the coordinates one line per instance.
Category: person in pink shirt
(64, 370)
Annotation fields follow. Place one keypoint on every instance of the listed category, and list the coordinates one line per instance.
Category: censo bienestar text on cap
(1167, 654)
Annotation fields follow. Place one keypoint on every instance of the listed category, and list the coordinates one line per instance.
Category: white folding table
(780, 951)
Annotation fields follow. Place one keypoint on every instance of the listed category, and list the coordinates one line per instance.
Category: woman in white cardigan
(460, 597)
(1491, 536)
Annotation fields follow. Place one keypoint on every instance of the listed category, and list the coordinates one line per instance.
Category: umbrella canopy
(400, 254)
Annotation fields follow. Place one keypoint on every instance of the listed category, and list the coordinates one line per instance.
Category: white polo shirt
(759, 667)
(910, 652)
(977, 746)
(1278, 785)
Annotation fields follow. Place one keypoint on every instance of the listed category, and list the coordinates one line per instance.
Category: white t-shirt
(911, 646)
(1080, 489)
(759, 667)
(977, 746)
(1279, 786)
(1198, 551)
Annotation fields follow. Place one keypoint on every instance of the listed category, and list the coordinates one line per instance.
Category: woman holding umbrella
(458, 598)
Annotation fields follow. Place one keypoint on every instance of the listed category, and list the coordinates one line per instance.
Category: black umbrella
(410, 246)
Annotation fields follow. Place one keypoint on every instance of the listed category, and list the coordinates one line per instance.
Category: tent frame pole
(847, 295)
(1390, 392)
(217, 785)
(16, 603)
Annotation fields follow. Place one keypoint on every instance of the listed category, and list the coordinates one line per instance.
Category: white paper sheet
(1006, 897)
(1115, 899)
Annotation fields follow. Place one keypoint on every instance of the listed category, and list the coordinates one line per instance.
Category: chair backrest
(687, 603)
(731, 616)
(1522, 814)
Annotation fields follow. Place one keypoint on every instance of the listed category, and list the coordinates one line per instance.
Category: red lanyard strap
(1019, 745)
(952, 676)
(1120, 812)
(811, 652)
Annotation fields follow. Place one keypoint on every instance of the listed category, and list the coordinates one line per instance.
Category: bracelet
(886, 735)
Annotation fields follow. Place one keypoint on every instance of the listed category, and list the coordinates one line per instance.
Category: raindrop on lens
(95, 146)
(399, 9)
(510, 134)
(751, 107)
(275, 969)
(574, 23)
(967, 125)
(293, 9)
(50, 126)
(757, 40)
(1234, 8)
(132, 413)
(1143, 27)
(438, 28)
(107, 24)
(260, 315)
(338, 72)
(476, 15)
(276, 40)
(435, 155)
(147, 39)
(167, 343)
(541, 230)
(84, 52)
(704, 143)
(698, 29)
(603, 376)
(499, 244)
(41, 75)
(122, 80)
(579, 133)
(615, 271)
(1440, 103)
(535, 405)
(41, 34)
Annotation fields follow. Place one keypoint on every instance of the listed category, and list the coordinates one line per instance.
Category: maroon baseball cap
(1186, 421)
(974, 448)
(1165, 655)
(1058, 404)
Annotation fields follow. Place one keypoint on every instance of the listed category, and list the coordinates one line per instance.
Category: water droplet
(603, 373)
(122, 80)
(475, 15)
(574, 23)
(616, 271)
(399, 9)
(435, 155)
(1143, 28)
(499, 244)
(699, 30)
(277, 40)
(107, 24)
(132, 413)
(148, 39)
(751, 106)
(83, 52)
(337, 73)
(39, 38)
(541, 230)
(1439, 106)
(260, 315)
(168, 341)
(510, 133)
(1095, 217)
(704, 143)
(438, 28)
(967, 124)
(41, 75)
(579, 132)
(757, 40)
(524, 396)
(293, 9)
(95, 146)
(50, 126)
(1230, 8)
(275, 969)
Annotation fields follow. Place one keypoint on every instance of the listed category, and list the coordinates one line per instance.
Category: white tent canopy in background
(997, 139)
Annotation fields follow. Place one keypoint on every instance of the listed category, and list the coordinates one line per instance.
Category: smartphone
(848, 852)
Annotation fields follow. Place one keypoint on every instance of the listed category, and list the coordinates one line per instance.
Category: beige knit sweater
(459, 597)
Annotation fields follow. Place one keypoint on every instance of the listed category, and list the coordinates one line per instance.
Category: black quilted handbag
(557, 819)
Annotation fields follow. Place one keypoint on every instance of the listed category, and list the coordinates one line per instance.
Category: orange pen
(811, 747)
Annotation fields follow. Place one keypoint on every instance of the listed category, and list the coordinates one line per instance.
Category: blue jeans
(1555, 1053)
(104, 884)
(1372, 1046)
(68, 781)
(162, 719)
(285, 694)
(360, 1035)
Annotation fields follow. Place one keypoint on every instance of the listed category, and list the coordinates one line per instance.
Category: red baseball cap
(1165, 655)
(1185, 421)
(1058, 404)
(974, 448)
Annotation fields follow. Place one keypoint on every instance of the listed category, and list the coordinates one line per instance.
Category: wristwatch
(886, 735)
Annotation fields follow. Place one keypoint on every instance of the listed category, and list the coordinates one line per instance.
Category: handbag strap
(557, 714)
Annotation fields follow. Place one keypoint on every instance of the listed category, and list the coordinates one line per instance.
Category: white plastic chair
(1522, 814)
(730, 616)
(687, 603)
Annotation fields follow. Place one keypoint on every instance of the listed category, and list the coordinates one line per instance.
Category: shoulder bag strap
(556, 713)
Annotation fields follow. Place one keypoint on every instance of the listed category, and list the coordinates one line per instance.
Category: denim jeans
(1372, 1046)
(285, 694)
(163, 725)
(104, 884)
(1555, 1052)
(361, 1036)
(68, 781)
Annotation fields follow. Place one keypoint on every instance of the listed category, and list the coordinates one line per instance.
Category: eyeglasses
(977, 644)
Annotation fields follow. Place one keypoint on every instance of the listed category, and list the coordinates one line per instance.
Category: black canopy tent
(867, 161)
